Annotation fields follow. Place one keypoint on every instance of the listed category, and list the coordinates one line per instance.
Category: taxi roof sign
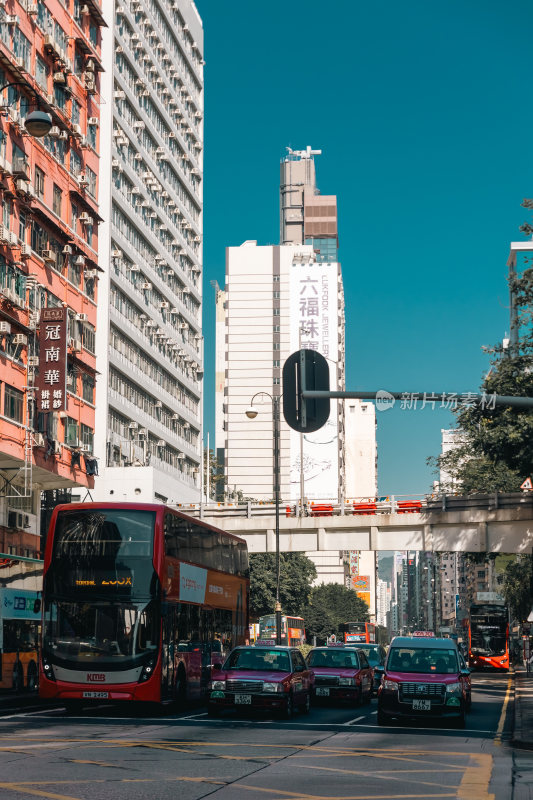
(335, 644)
(265, 643)
(425, 634)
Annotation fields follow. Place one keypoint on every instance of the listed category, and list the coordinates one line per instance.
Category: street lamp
(37, 123)
(252, 413)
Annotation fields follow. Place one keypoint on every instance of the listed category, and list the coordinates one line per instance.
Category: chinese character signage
(51, 382)
(361, 583)
(315, 326)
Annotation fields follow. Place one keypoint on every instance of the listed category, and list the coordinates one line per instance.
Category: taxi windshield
(261, 659)
(342, 659)
(425, 660)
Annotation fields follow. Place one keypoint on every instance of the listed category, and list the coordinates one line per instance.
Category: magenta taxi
(423, 677)
(262, 676)
(342, 672)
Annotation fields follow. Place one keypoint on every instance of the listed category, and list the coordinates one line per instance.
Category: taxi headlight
(272, 687)
(346, 682)
(454, 688)
(214, 685)
(392, 686)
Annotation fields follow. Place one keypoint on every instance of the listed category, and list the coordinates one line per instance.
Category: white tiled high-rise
(149, 341)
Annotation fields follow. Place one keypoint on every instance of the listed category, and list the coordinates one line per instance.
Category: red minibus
(138, 601)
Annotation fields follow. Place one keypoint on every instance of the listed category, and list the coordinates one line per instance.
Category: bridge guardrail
(399, 504)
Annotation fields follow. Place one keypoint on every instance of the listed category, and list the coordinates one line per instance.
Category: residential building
(149, 345)
(50, 59)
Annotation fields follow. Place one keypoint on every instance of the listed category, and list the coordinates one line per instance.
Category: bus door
(169, 653)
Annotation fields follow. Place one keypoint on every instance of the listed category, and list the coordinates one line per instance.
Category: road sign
(527, 485)
(305, 369)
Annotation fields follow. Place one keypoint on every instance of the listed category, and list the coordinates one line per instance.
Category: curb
(516, 740)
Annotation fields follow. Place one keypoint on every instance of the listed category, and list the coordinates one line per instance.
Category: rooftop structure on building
(150, 345)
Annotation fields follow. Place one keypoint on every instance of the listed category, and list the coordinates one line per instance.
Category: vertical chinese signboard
(315, 326)
(51, 382)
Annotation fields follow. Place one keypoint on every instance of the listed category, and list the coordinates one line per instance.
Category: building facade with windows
(149, 343)
(50, 59)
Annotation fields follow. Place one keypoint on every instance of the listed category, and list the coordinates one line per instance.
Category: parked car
(423, 678)
(261, 676)
(342, 672)
(376, 655)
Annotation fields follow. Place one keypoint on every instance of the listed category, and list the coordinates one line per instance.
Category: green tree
(517, 586)
(330, 605)
(297, 573)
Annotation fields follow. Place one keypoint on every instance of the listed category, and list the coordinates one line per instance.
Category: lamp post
(252, 413)
(37, 123)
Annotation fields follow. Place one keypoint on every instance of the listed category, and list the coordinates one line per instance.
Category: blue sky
(421, 111)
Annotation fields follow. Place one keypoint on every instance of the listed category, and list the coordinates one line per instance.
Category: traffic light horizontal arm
(492, 399)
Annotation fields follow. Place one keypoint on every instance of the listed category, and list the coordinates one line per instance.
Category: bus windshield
(101, 631)
(102, 553)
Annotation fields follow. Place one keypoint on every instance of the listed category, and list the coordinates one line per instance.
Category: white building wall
(149, 336)
(360, 449)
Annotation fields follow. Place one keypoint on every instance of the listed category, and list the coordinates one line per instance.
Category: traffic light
(305, 370)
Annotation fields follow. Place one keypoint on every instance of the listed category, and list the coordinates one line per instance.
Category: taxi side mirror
(216, 666)
(465, 671)
(379, 668)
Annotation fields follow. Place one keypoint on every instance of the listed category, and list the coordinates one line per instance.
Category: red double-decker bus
(358, 632)
(488, 636)
(138, 601)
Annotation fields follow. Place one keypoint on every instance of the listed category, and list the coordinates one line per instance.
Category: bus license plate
(320, 692)
(97, 695)
(421, 705)
(243, 699)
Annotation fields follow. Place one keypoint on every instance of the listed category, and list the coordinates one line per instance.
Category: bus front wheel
(32, 681)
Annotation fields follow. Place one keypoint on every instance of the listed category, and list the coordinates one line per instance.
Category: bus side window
(171, 544)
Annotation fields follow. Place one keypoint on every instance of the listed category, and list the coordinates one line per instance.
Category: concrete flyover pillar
(270, 541)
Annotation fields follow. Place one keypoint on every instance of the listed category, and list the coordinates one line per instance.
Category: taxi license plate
(320, 692)
(421, 705)
(97, 695)
(243, 699)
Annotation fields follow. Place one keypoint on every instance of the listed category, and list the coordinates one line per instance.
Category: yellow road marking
(86, 761)
(475, 782)
(501, 723)
(39, 792)
(378, 777)
(300, 796)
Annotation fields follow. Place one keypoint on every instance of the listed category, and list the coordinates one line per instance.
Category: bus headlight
(147, 670)
(272, 687)
(454, 688)
(346, 682)
(217, 685)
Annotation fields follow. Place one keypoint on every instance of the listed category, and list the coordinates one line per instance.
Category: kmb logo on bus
(96, 677)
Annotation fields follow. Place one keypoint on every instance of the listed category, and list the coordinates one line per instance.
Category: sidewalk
(523, 709)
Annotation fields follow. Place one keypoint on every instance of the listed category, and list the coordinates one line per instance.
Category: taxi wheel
(288, 711)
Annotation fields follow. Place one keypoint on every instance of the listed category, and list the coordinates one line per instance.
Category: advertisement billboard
(51, 379)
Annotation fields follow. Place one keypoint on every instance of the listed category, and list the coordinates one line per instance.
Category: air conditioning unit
(22, 186)
(4, 234)
(49, 256)
(76, 130)
(21, 64)
(133, 426)
(5, 327)
(119, 95)
(33, 9)
(79, 261)
(83, 141)
(38, 439)
(85, 218)
(33, 361)
(82, 317)
(11, 19)
(20, 338)
(90, 274)
(175, 417)
(116, 253)
(134, 268)
(161, 443)
(75, 344)
(142, 431)
(63, 135)
(67, 250)
(93, 121)
(82, 179)
(25, 251)
(59, 77)
(14, 114)
(164, 304)
(89, 83)
(145, 286)
(158, 404)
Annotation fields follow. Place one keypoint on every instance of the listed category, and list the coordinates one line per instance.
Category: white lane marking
(351, 721)
(194, 716)
(373, 712)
